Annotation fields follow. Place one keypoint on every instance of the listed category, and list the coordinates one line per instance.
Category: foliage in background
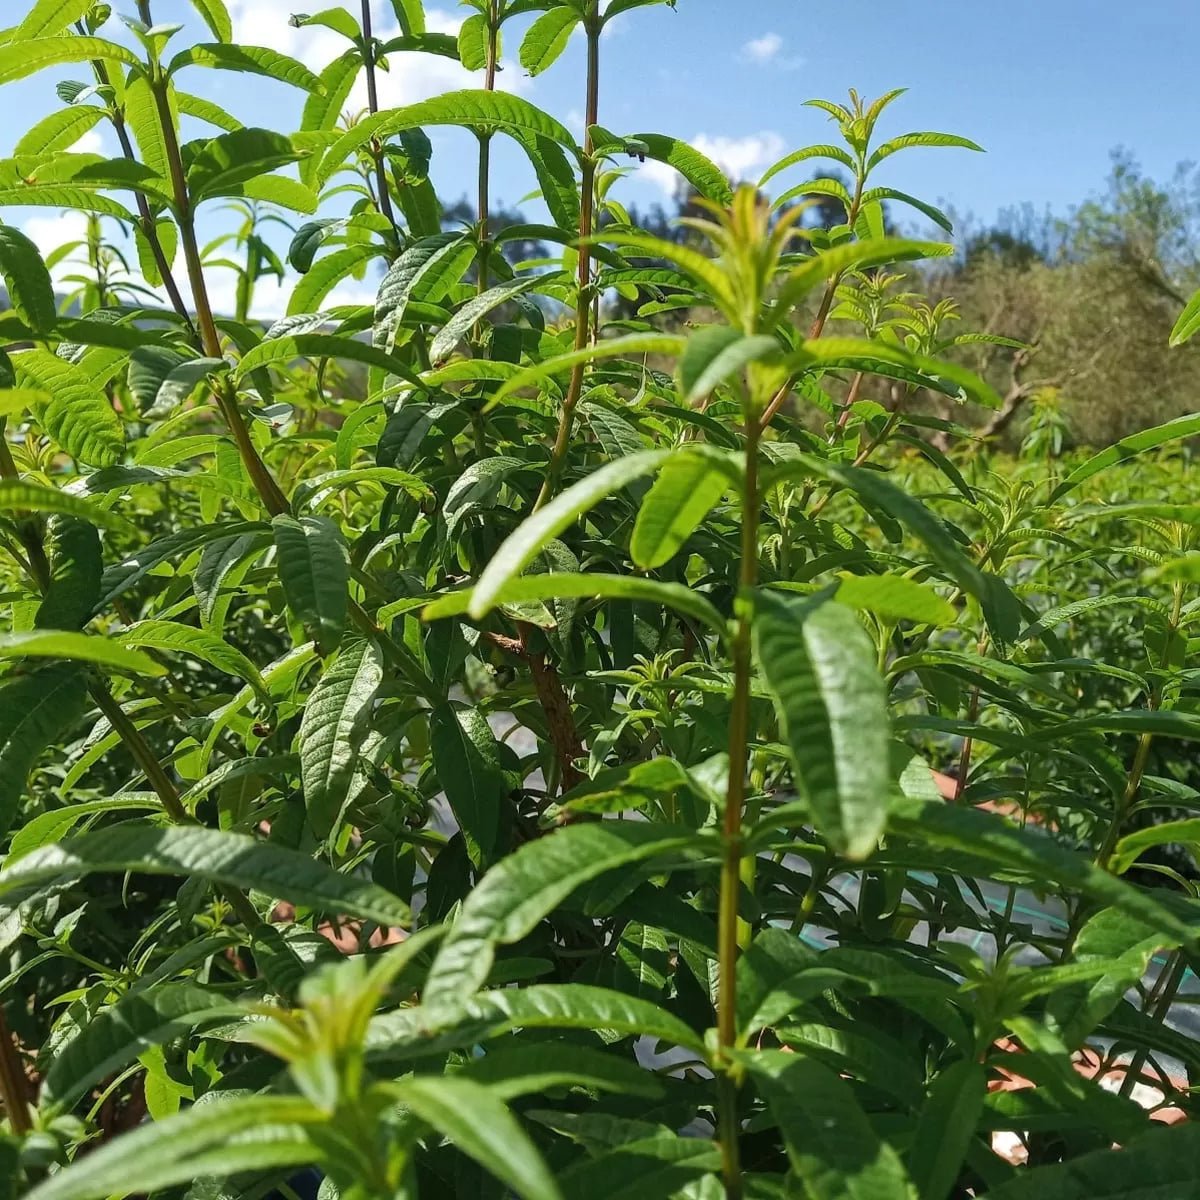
(478, 743)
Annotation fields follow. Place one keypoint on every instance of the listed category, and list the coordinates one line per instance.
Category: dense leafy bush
(473, 745)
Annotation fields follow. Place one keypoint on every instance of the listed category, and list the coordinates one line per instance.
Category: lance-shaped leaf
(481, 1126)
(335, 719)
(716, 354)
(426, 271)
(20, 495)
(35, 710)
(235, 859)
(829, 1140)
(48, 17)
(687, 488)
(222, 165)
(645, 1166)
(467, 761)
(523, 545)
(30, 291)
(253, 60)
(202, 644)
(18, 59)
(819, 664)
(113, 1038)
(946, 1128)
(250, 1133)
(314, 570)
(1189, 322)
(547, 38)
(79, 647)
(467, 1020)
(700, 171)
(76, 567)
(284, 350)
(216, 17)
(1130, 447)
(524, 887)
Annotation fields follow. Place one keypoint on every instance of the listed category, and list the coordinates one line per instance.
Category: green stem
(268, 490)
(384, 199)
(735, 798)
(583, 304)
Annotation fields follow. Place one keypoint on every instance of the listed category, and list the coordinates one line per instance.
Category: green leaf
(894, 598)
(78, 415)
(321, 279)
(426, 270)
(892, 145)
(315, 574)
(939, 218)
(480, 1125)
(78, 647)
(1131, 847)
(18, 59)
(483, 111)
(516, 1070)
(320, 345)
(937, 834)
(1127, 448)
(701, 172)
(634, 343)
(216, 17)
(251, 1133)
(547, 38)
(36, 710)
(526, 588)
(825, 151)
(114, 1037)
(474, 310)
(411, 17)
(222, 165)
(325, 105)
(234, 859)
(1164, 1162)
(829, 1141)
(715, 354)
(688, 487)
(467, 761)
(76, 566)
(946, 1128)
(59, 131)
(473, 42)
(253, 60)
(198, 643)
(523, 545)
(335, 719)
(19, 495)
(30, 290)
(1188, 323)
(468, 1019)
(49, 17)
(526, 886)
(819, 665)
(644, 1167)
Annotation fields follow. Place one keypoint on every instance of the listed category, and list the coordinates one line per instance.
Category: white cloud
(763, 49)
(768, 49)
(92, 142)
(739, 157)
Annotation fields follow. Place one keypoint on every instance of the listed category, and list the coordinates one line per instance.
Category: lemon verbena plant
(482, 742)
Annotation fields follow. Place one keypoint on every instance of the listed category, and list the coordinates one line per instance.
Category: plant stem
(146, 218)
(12, 1082)
(384, 199)
(268, 490)
(583, 303)
(735, 798)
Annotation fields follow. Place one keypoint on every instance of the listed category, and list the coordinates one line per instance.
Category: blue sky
(1049, 89)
